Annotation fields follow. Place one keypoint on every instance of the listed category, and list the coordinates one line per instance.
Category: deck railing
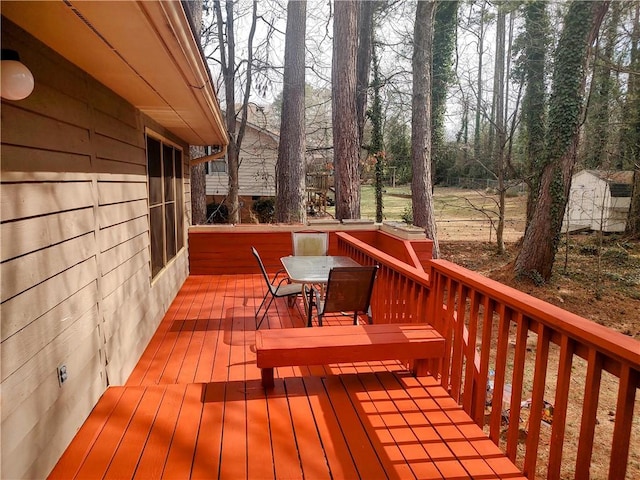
(519, 356)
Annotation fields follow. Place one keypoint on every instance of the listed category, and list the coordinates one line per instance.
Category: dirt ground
(608, 294)
(610, 298)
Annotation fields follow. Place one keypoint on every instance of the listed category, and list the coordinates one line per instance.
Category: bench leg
(420, 367)
(267, 378)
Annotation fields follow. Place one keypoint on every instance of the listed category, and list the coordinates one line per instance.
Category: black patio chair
(348, 290)
(274, 290)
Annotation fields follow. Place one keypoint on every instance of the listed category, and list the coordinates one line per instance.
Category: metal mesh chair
(274, 290)
(348, 290)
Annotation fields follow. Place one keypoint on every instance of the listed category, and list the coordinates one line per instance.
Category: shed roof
(620, 177)
(145, 51)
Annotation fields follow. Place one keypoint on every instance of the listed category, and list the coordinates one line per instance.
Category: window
(166, 198)
(216, 167)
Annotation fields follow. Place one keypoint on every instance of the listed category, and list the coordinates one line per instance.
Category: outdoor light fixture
(17, 80)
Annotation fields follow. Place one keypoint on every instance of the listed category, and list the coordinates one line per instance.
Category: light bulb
(17, 81)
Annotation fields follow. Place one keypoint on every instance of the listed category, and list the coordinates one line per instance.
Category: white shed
(599, 200)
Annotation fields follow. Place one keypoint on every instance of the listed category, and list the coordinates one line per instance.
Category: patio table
(313, 270)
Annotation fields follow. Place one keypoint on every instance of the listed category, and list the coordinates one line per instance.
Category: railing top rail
(415, 274)
(603, 339)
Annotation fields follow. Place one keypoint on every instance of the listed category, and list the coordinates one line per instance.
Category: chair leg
(265, 311)
(261, 304)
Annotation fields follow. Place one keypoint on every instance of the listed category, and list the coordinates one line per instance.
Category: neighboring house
(257, 172)
(599, 200)
(94, 206)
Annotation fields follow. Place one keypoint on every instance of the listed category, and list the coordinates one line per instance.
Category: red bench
(288, 347)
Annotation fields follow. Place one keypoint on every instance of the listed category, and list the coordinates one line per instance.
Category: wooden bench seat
(287, 347)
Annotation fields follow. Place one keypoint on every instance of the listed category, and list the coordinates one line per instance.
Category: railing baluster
(537, 399)
(487, 331)
(589, 410)
(470, 356)
(447, 332)
(498, 387)
(560, 406)
(458, 343)
(439, 295)
(520, 355)
(624, 419)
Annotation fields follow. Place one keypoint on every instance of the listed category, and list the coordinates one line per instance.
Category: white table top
(311, 269)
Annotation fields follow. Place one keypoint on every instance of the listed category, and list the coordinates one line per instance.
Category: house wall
(76, 283)
(256, 175)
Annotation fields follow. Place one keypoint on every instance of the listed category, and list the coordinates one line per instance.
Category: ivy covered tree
(530, 68)
(596, 153)
(540, 244)
(444, 44)
(376, 148)
(398, 150)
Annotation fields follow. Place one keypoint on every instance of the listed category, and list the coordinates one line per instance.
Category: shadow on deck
(194, 408)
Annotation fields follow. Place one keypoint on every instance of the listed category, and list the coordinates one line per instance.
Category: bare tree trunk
(365, 31)
(344, 112)
(198, 185)
(421, 186)
(290, 171)
(228, 67)
(476, 134)
(500, 127)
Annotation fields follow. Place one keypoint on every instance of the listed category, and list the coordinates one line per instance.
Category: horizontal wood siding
(74, 272)
(218, 250)
(256, 175)
(230, 252)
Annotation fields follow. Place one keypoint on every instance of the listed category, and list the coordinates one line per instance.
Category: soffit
(142, 50)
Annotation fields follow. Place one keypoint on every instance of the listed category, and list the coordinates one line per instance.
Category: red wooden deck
(194, 408)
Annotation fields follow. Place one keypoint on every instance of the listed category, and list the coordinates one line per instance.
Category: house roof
(145, 51)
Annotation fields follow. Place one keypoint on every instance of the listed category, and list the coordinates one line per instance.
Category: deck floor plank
(183, 443)
(206, 461)
(334, 445)
(157, 342)
(362, 449)
(377, 427)
(128, 454)
(312, 459)
(74, 456)
(194, 407)
(383, 392)
(103, 450)
(154, 454)
(259, 450)
(283, 442)
(233, 455)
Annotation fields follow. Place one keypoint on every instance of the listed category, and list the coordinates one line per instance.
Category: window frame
(212, 171)
(165, 199)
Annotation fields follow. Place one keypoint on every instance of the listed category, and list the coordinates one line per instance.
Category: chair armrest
(279, 272)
